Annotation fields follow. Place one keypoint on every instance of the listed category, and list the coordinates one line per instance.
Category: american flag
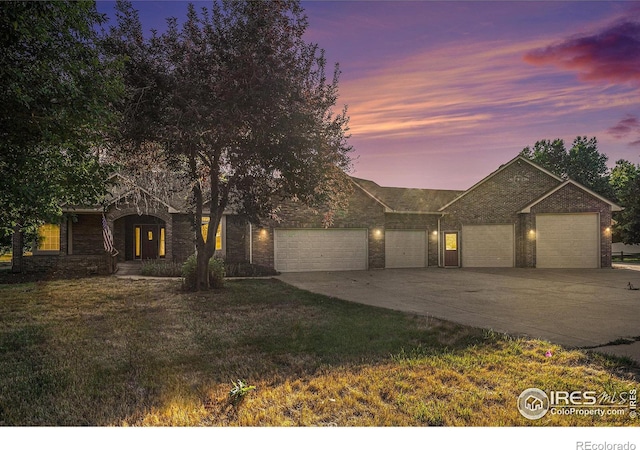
(107, 236)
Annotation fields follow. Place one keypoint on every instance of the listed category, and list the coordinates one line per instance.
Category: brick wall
(422, 222)
(362, 212)
(571, 199)
(67, 265)
(498, 200)
(86, 235)
(183, 240)
(262, 245)
(237, 236)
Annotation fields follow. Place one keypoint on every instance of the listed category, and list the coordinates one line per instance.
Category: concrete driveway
(575, 308)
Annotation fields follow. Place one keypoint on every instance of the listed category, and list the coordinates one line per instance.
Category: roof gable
(496, 172)
(120, 191)
(614, 206)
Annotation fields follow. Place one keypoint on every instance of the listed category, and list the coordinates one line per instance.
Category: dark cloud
(613, 54)
(628, 129)
(628, 125)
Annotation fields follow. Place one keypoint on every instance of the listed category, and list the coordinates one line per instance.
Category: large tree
(240, 105)
(582, 162)
(56, 89)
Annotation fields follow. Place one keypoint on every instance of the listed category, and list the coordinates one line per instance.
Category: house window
(49, 238)
(161, 251)
(451, 241)
(138, 245)
(205, 229)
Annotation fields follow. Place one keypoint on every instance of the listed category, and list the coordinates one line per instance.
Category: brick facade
(237, 239)
(498, 199)
(572, 199)
(421, 222)
(183, 242)
(501, 198)
(67, 265)
(84, 240)
(362, 212)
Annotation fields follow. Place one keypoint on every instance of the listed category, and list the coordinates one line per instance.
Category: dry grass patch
(105, 351)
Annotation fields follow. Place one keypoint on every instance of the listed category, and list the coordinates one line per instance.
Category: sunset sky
(440, 94)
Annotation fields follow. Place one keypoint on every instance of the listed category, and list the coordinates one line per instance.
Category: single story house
(521, 215)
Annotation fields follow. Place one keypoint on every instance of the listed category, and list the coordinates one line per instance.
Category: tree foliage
(240, 106)
(55, 106)
(625, 181)
(586, 165)
(582, 162)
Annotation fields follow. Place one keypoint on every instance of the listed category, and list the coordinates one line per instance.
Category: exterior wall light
(532, 234)
(377, 233)
(607, 230)
(263, 233)
(435, 233)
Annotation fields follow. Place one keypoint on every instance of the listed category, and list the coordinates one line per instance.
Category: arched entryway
(141, 237)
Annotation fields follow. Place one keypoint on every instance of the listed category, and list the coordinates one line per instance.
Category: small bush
(245, 269)
(190, 273)
(154, 268)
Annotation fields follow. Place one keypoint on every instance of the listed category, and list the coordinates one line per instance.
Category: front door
(451, 249)
(149, 241)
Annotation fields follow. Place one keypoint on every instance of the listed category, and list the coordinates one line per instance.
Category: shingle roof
(408, 199)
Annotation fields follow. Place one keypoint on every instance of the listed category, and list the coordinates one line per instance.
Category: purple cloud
(627, 128)
(628, 125)
(612, 54)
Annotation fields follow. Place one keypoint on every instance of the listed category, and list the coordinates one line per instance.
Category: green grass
(104, 351)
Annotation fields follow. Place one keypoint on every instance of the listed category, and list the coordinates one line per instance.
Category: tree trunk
(202, 271)
(17, 245)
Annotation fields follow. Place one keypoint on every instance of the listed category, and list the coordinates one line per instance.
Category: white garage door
(405, 248)
(487, 246)
(567, 241)
(305, 250)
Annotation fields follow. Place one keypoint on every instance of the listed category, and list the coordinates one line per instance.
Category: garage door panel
(304, 250)
(567, 241)
(487, 246)
(405, 248)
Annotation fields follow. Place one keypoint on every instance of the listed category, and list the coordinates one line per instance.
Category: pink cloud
(480, 90)
(612, 54)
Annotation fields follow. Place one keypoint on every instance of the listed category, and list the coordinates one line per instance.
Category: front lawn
(106, 351)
